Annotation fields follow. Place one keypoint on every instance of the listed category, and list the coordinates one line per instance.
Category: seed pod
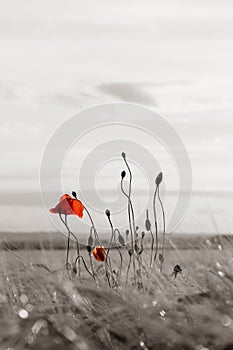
(123, 174)
(121, 240)
(90, 241)
(74, 270)
(89, 249)
(159, 179)
(74, 194)
(107, 212)
(161, 258)
(136, 248)
(130, 251)
(148, 224)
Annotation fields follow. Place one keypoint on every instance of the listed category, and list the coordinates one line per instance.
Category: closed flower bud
(123, 174)
(121, 240)
(159, 179)
(74, 270)
(130, 251)
(161, 258)
(148, 225)
(127, 233)
(107, 212)
(90, 241)
(136, 248)
(89, 249)
(143, 234)
(123, 155)
(74, 194)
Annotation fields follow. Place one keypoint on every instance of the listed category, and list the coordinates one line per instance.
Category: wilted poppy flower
(99, 253)
(68, 206)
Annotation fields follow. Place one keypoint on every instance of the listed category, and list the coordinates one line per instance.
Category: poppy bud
(90, 241)
(136, 248)
(88, 249)
(130, 251)
(148, 225)
(127, 233)
(136, 228)
(121, 240)
(74, 194)
(143, 234)
(161, 258)
(141, 250)
(177, 268)
(159, 179)
(123, 173)
(107, 212)
(123, 155)
(74, 270)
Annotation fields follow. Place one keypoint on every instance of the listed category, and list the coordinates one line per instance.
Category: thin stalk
(131, 231)
(68, 243)
(119, 251)
(93, 225)
(156, 225)
(127, 273)
(84, 263)
(164, 227)
(107, 258)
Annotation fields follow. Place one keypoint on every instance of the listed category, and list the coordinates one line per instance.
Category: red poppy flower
(68, 206)
(99, 253)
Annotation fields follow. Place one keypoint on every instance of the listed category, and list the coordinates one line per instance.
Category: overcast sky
(58, 57)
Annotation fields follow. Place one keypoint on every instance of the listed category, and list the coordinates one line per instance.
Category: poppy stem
(68, 243)
(93, 225)
(152, 237)
(79, 263)
(127, 273)
(131, 231)
(84, 263)
(156, 226)
(119, 250)
(164, 229)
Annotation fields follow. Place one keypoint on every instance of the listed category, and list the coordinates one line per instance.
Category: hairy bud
(123, 174)
(74, 194)
(159, 179)
(107, 212)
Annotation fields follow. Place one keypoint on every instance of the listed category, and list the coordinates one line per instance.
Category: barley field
(46, 306)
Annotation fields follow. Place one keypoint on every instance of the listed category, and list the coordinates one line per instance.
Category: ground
(42, 308)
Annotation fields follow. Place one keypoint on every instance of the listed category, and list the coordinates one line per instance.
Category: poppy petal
(77, 208)
(65, 196)
(68, 206)
(99, 253)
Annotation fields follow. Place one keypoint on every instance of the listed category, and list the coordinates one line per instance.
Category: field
(42, 307)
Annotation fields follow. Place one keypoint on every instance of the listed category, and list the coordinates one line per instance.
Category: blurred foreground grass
(41, 308)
